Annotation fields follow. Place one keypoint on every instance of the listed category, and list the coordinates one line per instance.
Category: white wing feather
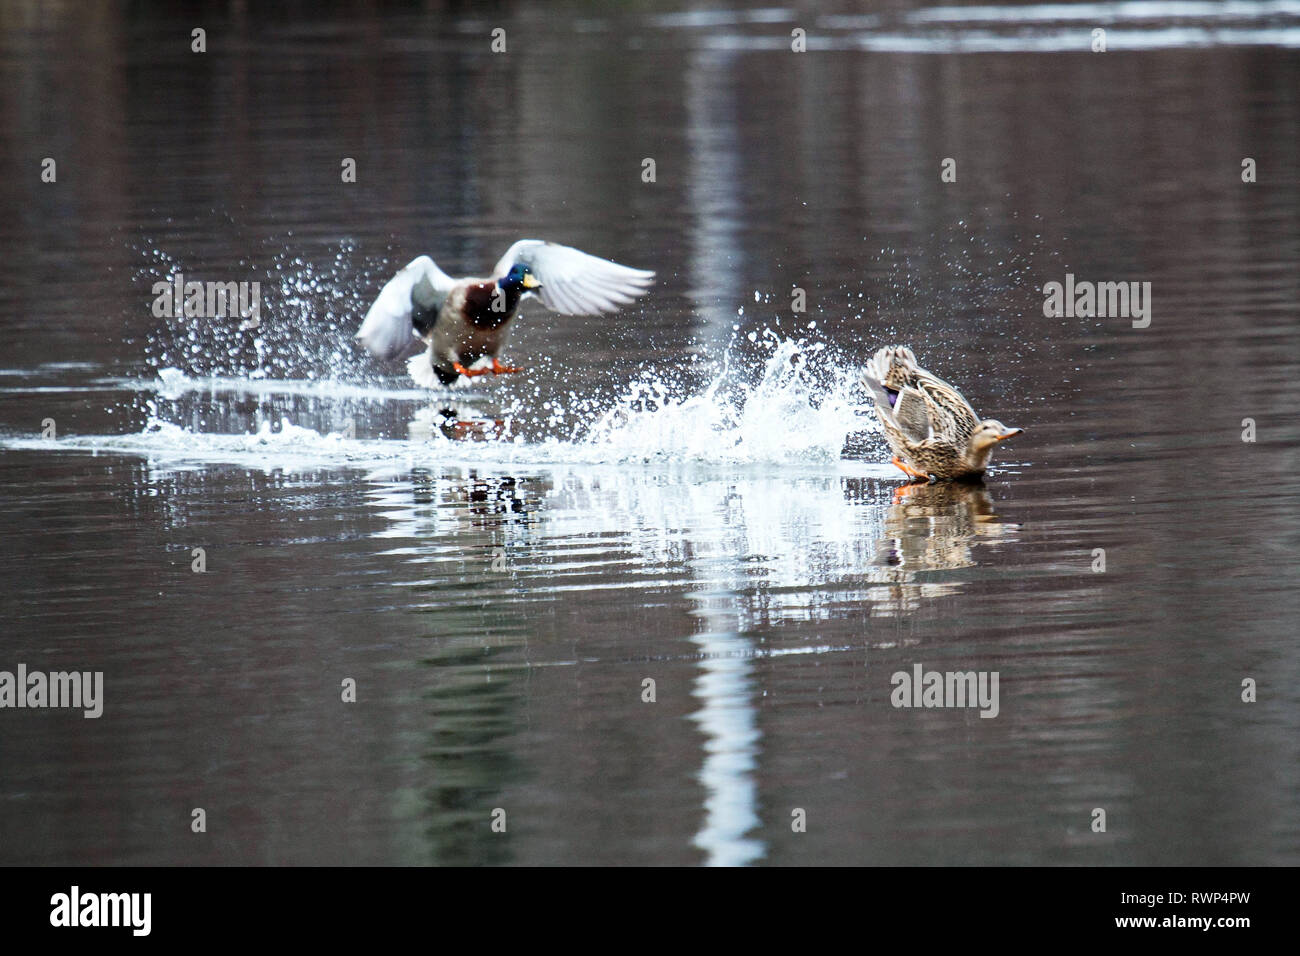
(573, 282)
(387, 331)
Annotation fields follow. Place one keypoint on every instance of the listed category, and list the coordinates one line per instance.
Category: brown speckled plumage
(931, 428)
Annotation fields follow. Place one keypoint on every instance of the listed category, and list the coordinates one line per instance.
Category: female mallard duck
(445, 325)
(932, 429)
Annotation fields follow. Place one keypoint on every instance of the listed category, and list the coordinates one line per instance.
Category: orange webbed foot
(909, 470)
(499, 369)
(469, 372)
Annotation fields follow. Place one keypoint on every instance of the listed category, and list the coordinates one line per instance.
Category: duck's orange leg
(499, 369)
(909, 470)
(469, 372)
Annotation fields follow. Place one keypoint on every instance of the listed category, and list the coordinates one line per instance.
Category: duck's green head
(520, 279)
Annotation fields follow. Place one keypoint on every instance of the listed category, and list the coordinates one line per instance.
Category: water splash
(800, 409)
(309, 309)
(792, 403)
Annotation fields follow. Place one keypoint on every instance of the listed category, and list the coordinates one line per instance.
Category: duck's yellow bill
(531, 283)
(1009, 433)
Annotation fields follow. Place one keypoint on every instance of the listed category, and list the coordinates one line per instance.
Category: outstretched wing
(388, 332)
(574, 283)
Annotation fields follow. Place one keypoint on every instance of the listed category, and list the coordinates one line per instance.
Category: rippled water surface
(690, 500)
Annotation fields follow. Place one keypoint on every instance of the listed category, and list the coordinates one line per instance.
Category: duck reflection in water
(456, 422)
(470, 497)
(933, 528)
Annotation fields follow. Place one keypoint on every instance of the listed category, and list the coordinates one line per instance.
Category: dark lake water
(693, 492)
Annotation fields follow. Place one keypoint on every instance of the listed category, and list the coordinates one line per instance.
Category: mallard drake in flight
(445, 325)
(931, 428)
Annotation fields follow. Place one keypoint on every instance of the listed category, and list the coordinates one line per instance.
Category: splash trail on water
(798, 405)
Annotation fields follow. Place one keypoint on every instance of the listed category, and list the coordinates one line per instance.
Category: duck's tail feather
(894, 365)
(420, 368)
